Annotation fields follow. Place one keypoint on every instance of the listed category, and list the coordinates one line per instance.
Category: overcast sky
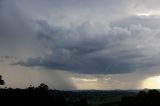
(79, 44)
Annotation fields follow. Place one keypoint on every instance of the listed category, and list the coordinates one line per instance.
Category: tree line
(42, 95)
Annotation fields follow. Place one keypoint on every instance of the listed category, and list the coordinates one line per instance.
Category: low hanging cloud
(71, 40)
(124, 44)
(18, 40)
(98, 48)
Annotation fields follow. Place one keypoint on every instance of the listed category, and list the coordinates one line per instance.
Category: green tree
(43, 86)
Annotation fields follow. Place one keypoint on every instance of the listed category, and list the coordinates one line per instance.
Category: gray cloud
(18, 41)
(145, 21)
(87, 37)
(98, 49)
(17, 32)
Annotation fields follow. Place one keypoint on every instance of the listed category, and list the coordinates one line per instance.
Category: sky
(80, 44)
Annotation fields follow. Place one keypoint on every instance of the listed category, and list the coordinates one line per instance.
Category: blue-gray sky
(90, 44)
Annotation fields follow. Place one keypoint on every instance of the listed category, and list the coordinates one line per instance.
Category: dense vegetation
(150, 98)
(42, 95)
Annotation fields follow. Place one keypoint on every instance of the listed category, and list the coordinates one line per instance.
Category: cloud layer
(104, 40)
(85, 37)
(99, 48)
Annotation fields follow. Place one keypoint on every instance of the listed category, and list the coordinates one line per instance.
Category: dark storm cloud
(97, 49)
(18, 41)
(63, 38)
(101, 37)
